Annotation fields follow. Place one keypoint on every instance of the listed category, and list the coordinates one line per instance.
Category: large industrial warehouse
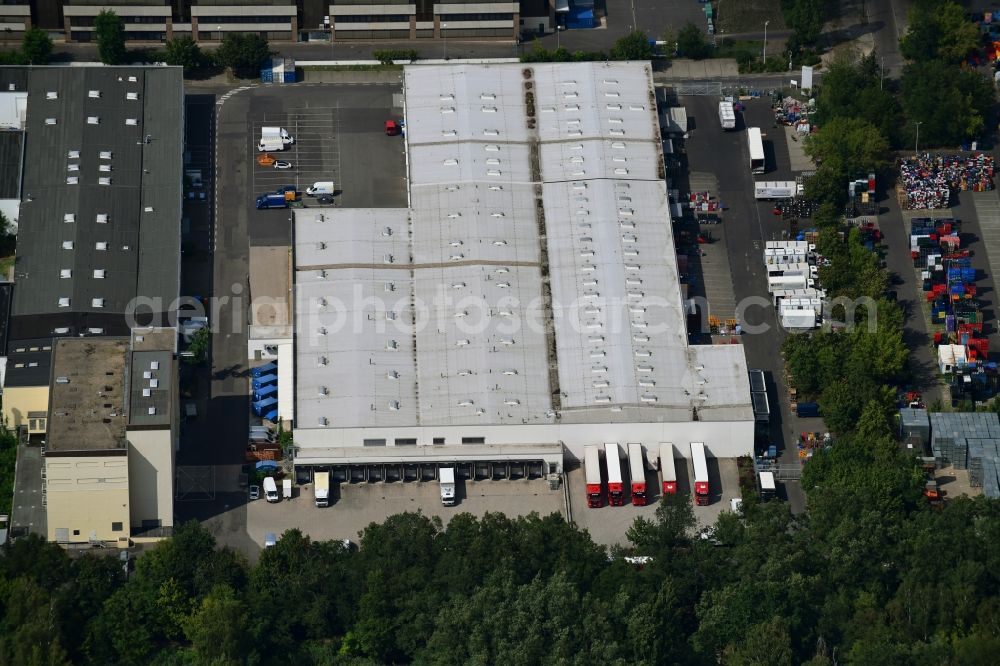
(528, 301)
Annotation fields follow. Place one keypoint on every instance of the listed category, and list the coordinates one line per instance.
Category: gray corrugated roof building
(100, 217)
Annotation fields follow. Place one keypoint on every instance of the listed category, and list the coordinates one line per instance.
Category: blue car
(261, 382)
(264, 392)
(262, 370)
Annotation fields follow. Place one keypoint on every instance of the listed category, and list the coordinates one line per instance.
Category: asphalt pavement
(748, 224)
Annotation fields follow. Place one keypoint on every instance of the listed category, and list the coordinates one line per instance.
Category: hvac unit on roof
(104, 180)
(461, 313)
(387, 231)
(154, 365)
(389, 286)
(321, 330)
(466, 403)
(104, 168)
(101, 245)
(647, 383)
(323, 391)
(489, 109)
(506, 313)
(644, 368)
(394, 405)
(52, 94)
(386, 258)
(507, 341)
(132, 96)
(154, 383)
(600, 384)
(69, 217)
(503, 285)
(64, 302)
(451, 161)
(502, 270)
(648, 398)
(67, 245)
(62, 330)
(509, 372)
(94, 94)
(496, 188)
(73, 154)
(72, 180)
(512, 402)
(456, 257)
(321, 360)
(322, 420)
(494, 172)
(72, 168)
(391, 345)
(131, 122)
(493, 161)
(449, 133)
(640, 338)
(106, 155)
(392, 374)
(457, 285)
(93, 120)
(642, 353)
(66, 273)
(321, 274)
(615, 121)
(390, 316)
(97, 302)
(133, 79)
(50, 121)
(102, 218)
(152, 411)
(461, 343)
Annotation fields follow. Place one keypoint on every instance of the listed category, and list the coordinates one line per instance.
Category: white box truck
(270, 145)
(727, 115)
(776, 189)
(270, 489)
(286, 488)
(447, 479)
(276, 134)
(321, 488)
(321, 187)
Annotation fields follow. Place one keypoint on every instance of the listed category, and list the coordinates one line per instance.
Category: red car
(391, 128)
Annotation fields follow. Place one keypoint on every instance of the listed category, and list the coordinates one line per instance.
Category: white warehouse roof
(508, 326)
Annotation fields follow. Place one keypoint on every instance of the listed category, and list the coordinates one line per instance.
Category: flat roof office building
(100, 211)
(529, 297)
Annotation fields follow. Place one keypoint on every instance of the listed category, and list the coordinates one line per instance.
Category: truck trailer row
(604, 480)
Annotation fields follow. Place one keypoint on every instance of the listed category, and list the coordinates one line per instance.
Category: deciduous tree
(109, 31)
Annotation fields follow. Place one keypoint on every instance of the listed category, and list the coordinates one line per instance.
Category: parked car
(270, 540)
(325, 200)
(282, 164)
(254, 492)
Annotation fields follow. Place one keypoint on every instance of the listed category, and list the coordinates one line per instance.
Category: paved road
(747, 226)
(888, 18)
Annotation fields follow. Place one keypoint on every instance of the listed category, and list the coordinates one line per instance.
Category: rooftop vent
(132, 95)
(101, 245)
(106, 180)
(104, 168)
(62, 330)
(97, 302)
(106, 154)
(62, 380)
(146, 393)
(151, 411)
(102, 218)
(321, 360)
(93, 120)
(50, 121)
(131, 122)
(66, 273)
(67, 245)
(394, 405)
(94, 94)
(72, 180)
(73, 154)
(64, 302)
(72, 168)
(52, 94)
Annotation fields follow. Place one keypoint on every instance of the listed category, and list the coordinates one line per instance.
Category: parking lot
(339, 136)
(355, 506)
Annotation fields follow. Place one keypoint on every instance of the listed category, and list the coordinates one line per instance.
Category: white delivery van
(270, 489)
(321, 187)
(448, 486)
(276, 133)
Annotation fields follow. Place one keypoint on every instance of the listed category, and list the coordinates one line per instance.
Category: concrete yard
(355, 506)
(608, 525)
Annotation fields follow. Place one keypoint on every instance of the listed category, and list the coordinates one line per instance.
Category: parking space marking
(315, 155)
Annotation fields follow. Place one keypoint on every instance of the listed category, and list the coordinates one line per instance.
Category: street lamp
(916, 142)
(444, 27)
(559, 29)
(765, 41)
